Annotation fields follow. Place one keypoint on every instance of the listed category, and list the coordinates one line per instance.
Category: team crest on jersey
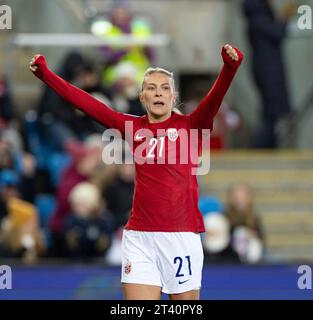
(172, 134)
(128, 267)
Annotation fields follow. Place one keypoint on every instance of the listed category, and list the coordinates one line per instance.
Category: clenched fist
(38, 64)
(231, 56)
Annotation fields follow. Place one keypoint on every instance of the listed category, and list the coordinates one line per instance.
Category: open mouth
(158, 103)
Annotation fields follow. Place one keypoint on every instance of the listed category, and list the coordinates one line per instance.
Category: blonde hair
(150, 71)
(86, 193)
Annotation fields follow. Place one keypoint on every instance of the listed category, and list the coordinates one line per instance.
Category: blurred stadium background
(185, 37)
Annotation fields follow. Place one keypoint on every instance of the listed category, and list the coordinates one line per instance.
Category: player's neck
(153, 119)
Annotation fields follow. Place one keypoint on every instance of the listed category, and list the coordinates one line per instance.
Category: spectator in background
(8, 188)
(6, 105)
(28, 177)
(266, 33)
(22, 165)
(88, 80)
(245, 224)
(88, 228)
(119, 194)
(126, 90)
(123, 22)
(9, 126)
(216, 241)
(20, 234)
(86, 158)
(6, 155)
(59, 121)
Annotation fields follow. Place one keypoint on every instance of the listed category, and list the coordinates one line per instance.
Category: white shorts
(170, 260)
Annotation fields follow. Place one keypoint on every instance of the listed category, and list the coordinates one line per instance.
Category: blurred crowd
(234, 232)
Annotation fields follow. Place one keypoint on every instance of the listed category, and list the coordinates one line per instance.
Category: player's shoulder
(180, 119)
(179, 116)
(131, 116)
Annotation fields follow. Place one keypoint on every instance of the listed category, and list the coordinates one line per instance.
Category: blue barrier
(90, 282)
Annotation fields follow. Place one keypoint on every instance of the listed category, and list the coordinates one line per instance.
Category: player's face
(158, 96)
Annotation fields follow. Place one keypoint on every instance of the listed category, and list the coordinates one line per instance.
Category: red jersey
(166, 193)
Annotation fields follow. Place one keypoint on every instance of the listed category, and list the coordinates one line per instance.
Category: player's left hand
(231, 55)
(231, 52)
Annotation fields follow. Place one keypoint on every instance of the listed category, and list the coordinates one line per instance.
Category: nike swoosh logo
(139, 137)
(181, 282)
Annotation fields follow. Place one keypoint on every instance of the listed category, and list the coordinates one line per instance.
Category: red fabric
(166, 195)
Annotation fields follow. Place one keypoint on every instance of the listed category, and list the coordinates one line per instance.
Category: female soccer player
(162, 250)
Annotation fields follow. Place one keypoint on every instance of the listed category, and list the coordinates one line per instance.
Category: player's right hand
(38, 63)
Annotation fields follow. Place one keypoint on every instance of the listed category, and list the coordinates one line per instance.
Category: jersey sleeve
(202, 117)
(85, 102)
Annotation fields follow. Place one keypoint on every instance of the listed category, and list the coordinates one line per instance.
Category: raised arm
(204, 114)
(77, 97)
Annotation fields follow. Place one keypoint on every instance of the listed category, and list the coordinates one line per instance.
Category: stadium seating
(283, 185)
